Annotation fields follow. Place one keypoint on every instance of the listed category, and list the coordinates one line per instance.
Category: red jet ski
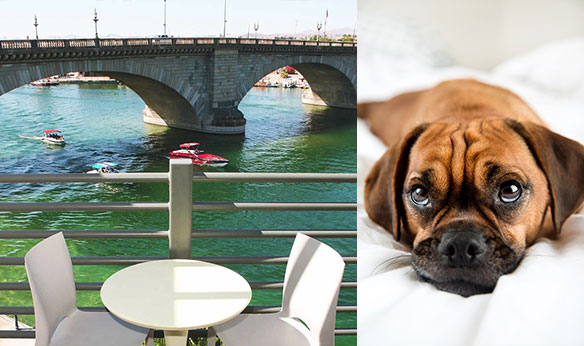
(199, 157)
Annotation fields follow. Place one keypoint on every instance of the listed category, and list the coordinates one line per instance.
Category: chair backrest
(311, 286)
(50, 275)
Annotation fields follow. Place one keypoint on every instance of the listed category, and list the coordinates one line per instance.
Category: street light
(318, 27)
(164, 35)
(325, 19)
(256, 26)
(36, 24)
(95, 20)
(224, 17)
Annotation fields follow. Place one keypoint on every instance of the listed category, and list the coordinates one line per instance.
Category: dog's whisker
(539, 255)
(393, 263)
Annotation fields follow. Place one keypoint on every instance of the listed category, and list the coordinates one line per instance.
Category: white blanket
(542, 302)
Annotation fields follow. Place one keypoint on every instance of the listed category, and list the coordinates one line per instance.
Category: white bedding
(542, 302)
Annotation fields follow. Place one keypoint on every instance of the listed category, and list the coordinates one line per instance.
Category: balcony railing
(180, 206)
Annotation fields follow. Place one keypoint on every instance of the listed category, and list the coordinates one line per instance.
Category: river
(104, 123)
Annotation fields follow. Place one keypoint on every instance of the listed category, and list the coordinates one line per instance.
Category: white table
(175, 296)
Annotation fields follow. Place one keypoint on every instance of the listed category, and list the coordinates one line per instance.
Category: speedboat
(261, 84)
(45, 82)
(53, 137)
(103, 167)
(199, 157)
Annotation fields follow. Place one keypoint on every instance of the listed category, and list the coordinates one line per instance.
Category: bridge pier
(309, 97)
(225, 117)
(227, 121)
(222, 121)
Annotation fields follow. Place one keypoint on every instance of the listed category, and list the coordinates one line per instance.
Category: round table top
(176, 294)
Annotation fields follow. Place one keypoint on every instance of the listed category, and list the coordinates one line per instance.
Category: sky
(132, 18)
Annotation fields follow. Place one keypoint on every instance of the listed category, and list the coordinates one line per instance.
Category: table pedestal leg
(176, 337)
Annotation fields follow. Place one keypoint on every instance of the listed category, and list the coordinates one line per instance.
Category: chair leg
(211, 336)
(150, 338)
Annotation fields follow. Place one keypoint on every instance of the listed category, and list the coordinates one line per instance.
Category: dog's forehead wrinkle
(457, 157)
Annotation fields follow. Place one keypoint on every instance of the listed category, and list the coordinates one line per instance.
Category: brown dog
(471, 178)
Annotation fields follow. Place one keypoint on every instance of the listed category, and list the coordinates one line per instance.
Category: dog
(471, 179)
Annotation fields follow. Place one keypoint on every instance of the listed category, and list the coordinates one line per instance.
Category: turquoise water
(105, 123)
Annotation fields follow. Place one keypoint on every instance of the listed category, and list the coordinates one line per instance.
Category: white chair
(311, 290)
(58, 320)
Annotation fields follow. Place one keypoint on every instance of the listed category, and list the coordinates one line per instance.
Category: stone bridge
(189, 83)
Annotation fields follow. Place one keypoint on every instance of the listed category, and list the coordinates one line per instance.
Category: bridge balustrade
(205, 41)
(180, 179)
(51, 44)
(81, 43)
(137, 42)
(130, 42)
(15, 44)
(161, 41)
(180, 41)
(111, 43)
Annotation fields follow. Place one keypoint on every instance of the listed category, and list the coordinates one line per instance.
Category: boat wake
(30, 137)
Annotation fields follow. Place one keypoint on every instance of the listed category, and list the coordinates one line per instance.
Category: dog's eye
(419, 195)
(510, 191)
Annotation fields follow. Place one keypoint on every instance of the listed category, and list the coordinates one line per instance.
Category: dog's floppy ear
(562, 161)
(384, 184)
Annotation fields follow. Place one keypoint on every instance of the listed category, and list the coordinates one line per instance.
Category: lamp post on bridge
(36, 24)
(164, 34)
(318, 27)
(325, 19)
(95, 20)
(224, 17)
(256, 26)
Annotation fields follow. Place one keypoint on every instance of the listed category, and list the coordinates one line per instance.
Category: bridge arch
(332, 80)
(167, 102)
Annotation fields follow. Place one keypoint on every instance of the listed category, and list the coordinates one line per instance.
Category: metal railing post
(180, 208)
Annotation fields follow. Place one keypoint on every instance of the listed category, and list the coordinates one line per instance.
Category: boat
(45, 82)
(267, 84)
(53, 137)
(261, 84)
(302, 83)
(289, 83)
(103, 167)
(193, 151)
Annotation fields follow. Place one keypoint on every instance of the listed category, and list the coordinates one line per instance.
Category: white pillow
(383, 35)
(555, 67)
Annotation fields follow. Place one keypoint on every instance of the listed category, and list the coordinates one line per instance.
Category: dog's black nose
(462, 248)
